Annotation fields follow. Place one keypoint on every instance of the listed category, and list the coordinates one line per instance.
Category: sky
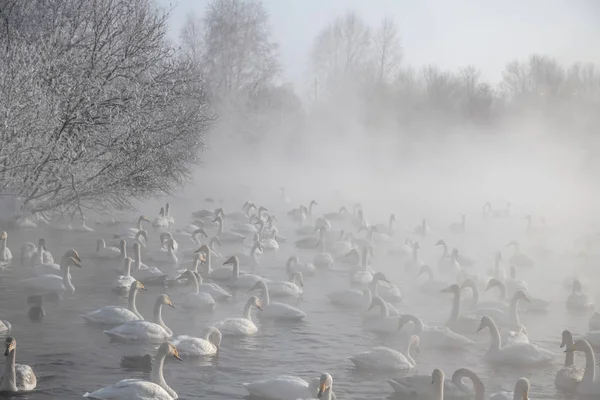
(447, 33)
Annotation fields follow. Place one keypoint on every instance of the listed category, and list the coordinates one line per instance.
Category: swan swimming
(197, 347)
(385, 359)
(240, 326)
(116, 315)
(275, 310)
(17, 377)
(568, 377)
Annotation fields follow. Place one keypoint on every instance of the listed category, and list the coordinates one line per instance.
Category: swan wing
(193, 346)
(280, 388)
(282, 311)
(26, 379)
(138, 330)
(522, 354)
(110, 315)
(134, 389)
(236, 327)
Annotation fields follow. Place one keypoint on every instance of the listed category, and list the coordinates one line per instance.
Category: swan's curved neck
(477, 383)
(265, 293)
(385, 311)
(408, 355)
(67, 278)
(9, 380)
(139, 224)
(495, 334)
(220, 230)
(131, 302)
(247, 310)
(128, 269)
(418, 322)
(158, 317)
(364, 259)
(589, 376)
(474, 293)
(138, 258)
(445, 247)
(253, 249)
(570, 353)
(455, 307)
(157, 376)
(438, 390)
(236, 268)
(4, 243)
(373, 288)
(514, 311)
(192, 280)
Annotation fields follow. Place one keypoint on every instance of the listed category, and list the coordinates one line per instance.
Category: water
(71, 358)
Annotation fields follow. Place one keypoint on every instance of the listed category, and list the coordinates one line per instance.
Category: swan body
(578, 300)
(197, 347)
(123, 283)
(17, 377)
(274, 310)
(116, 315)
(240, 326)
(292, 288)
(359, 299)
(456, 322)
(522, 354)
(568, 377)
(283, 387)
(227, 236)
(50, 283)
(245, 281)
(145, 330)
(430, 387)
(386, 359)
(590, 384)
(139, 389)
(197, 299)
(106, 252)
(435, 336)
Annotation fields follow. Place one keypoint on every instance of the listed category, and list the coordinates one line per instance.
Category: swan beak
(202, 258)
(141, 286)
(170, 304)
(145, 218)
(9, 347)
(259, 307)
(322, 390)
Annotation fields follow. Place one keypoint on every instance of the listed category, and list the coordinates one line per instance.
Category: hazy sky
(449, 33)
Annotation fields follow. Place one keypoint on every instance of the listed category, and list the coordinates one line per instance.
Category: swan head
(137, 285)
(522, 387)
(172, 350)
(325, 383)
(232, 260)
(492, 283)
(165, 300)
(440, 242)
(218, 219)
(379, 276)
(200, 231)
(72, 253)
(485, 323)
(255, 302)
(202, 250)
(162, 212)
(437, 376)
(451, 289)
(73, 261)
(143, 218)
(11, 344)
(414, 343)
(313, 203)
(567, 337)
(424, 269)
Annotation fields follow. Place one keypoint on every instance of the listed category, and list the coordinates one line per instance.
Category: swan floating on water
(17, 377)
(123, 282)
(568, 377)
(240, 326)
(385, 359)
(197, 299)
(435, 336)
(197, 347)
(590, 384)
(275, 310)
(116, 315)
(284, 387)
(50, 283)
(156, 388)
(579, 300)
(31, 253)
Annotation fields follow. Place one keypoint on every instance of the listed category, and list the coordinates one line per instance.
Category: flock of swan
(219, 256)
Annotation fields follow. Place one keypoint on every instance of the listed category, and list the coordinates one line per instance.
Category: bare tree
(387, 50)
(95, 106)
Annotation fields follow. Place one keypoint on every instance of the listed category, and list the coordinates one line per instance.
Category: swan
(430, 387)
(294, 264)
(459, 323)
(352, 298)
(268, 243)
(165, 255)
(389, 228)
(520, 259)
(17, 377)
(520, 391)
(238, 280)
(283, 387)
(240, 326)
(459, 227)
(55, 269)
(516, 353)
(310, 242)
(291, 288)
(431, 285)
(364, 276)
(568, 377)
(423, 229)
(31, 253)
(359, 220)
(165, 237)
(275, 310)
(140, 237)
(214, 290)
(5, 327)
(197, 347)
(123, 282)
(589, 384)
(502, 213)
(116, 315)
(404, 250)
(50, 283)
(168, 217)
(252, 258)
(131, 232)
(578, 300)
(323, 259)
(325, 387)
(5, 254)
(102, 251)
(161, 222)
(143, 272)
(498, 272)
(533, 304)
(415, 262)
(385, 359)
(227, 236)
(343, 246)
(337, 216)
(145, 330)
(384, 323)
(513, 284)
(140, 389)
(197, 300)
(435, 336)
(219, 274)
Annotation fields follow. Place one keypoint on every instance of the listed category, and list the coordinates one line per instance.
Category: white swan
(164, 241)
(168, 217)
(145, 330)
(291, 288)
(143, 272)
(17, 377)
(240, 326)
(165, 255)
(460, 323)
(198, 347)
(311, 242)
(131, 232)
(250, 259)
(275, 310)
(283, 387)
(363, 276)
(31, 253)
(568, 377)
(216, 291)
(429, 387)
(385, 359)
(520, 391)
(123, 282)
(161, 222)
(140, 389)
(116, 315)
(219, 274)
(240, 281)
(578, 300)
(435, 336)
(197, 300)
(53, 268)
(498, 271)
(227, 236)
(534, 304)
(352, 298)
(589, 384)
(50, 283)
(140, 237)
(5, 254)
(520, 259)
(102, 251)
(384, 323)
(323, 259)
(295, 265)
(517, 353)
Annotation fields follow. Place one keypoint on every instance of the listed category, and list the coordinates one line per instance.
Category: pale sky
(448, 33)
